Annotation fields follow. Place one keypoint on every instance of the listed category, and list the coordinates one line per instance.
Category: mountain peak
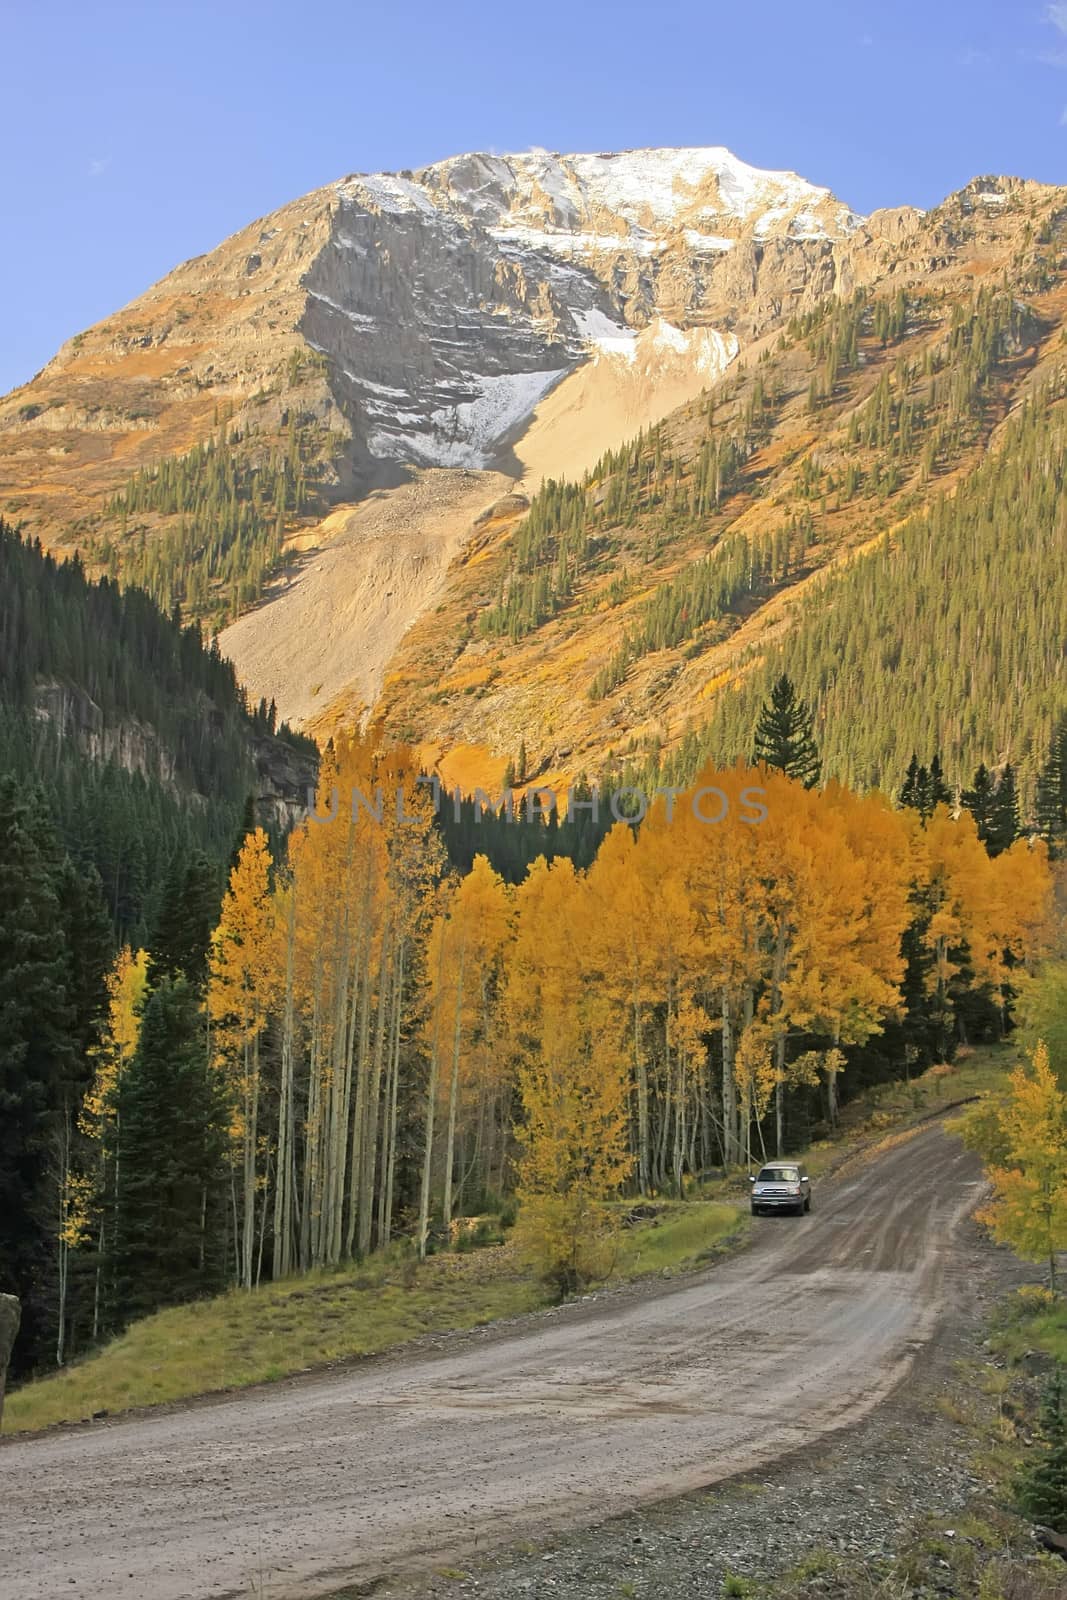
(640, 199)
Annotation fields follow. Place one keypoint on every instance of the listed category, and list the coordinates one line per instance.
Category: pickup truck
(781, 1186)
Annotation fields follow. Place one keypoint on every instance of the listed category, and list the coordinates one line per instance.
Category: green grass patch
(1032, 1320)
(243, 1338)
(683, 1235)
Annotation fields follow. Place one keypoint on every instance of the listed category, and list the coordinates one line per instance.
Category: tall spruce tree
(1051, 799)
(785, 739)
(924, 788)
(938, 792)
(914, 788)
(980, 801)
(189, 912)
(1004, 823)
(172, 1117)
(37, 1059)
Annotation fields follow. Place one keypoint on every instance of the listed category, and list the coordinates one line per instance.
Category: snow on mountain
(451, 300)
(552, 197)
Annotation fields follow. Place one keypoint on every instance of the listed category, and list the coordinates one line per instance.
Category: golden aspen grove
(400, 1045)
(533, 803)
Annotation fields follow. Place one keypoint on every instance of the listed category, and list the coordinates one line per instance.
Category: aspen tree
(720, 863)
(1029, 1206)
(127, 987)
(627, 920)
(243, 986)
(573, 1081)
(469, 943)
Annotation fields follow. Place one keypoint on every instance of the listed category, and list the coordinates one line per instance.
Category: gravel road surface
(555, 1422)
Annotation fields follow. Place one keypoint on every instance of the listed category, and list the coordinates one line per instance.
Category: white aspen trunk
(747, 1012)
(337, 1140)
(370, 1148)
(308, 1186)
(283, 1184)
(248, 1240)
(235, 1220)
(262, 1223)
(831, 1083)
(431, 1111)
(729, 1088)
(644, 1175)
(386, 1226)
(359, 1113)
(355, 1061)
(453, 1097)
(354, 990)
(97, 1278)
(777, 975)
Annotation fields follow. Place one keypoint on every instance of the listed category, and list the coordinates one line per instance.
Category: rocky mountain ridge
(418, 318)
(413, 345)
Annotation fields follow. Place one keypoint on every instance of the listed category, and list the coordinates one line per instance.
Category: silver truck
(781, 1186)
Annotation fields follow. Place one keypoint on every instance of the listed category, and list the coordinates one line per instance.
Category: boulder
(10, 1314)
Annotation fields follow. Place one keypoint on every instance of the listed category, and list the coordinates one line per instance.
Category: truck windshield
(779, 1175)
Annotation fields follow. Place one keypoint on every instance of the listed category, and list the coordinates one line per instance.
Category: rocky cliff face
(419, 318)
(449, 301)
(279, 775)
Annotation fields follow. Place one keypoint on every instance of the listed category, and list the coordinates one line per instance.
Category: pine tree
(1051, 802)
(169, 1180)
(37, 1060)
(925, 788)
(980, 801)
(938, 792)
(1041, 1489)
(784, 735)
(916, 782)
(188, 915)
(1004, 822)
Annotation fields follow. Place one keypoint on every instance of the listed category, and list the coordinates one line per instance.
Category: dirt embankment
(331, 623)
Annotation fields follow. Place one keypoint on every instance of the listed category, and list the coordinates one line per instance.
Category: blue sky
(136, 135)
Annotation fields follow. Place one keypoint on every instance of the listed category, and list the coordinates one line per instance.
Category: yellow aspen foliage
(468, 1055)
(243, 955)
(754, 1068)
(573, 1079)
(245, 969)
(1029, 1206)
(127, 984)
(630, 912)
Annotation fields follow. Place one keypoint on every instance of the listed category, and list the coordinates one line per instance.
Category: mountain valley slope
(446, 341)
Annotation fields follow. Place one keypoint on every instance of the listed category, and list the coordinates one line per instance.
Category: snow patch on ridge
(611, 338)
(703, 349)
(465, 434)
(387, 192)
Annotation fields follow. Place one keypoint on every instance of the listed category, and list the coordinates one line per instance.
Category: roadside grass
(1031, 1322)
(896, 1109)
(685, 1235)
(242, 1338)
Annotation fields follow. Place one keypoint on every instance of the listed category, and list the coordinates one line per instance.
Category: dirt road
(565, 1419)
